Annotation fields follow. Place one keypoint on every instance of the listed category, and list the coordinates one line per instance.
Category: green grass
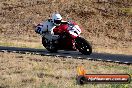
(6, 44)
(11, 44)
(47, 86)
(126, 10)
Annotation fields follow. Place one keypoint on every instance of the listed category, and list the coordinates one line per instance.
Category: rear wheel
(50, 47)
(83, 46)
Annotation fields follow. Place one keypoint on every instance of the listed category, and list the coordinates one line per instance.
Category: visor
(57, 21)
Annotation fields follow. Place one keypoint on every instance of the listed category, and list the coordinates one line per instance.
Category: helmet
(56, 18)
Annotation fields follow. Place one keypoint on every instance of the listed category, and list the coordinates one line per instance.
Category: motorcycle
(66, 40)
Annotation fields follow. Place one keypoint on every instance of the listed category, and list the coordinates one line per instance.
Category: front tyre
(50, 47)
(83, 46)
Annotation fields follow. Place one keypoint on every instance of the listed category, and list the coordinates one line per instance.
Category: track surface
(118, 58)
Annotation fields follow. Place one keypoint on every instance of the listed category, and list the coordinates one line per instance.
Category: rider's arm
(41, 28)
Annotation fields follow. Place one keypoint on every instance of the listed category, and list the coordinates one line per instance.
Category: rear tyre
(50, 47)
(83, 46)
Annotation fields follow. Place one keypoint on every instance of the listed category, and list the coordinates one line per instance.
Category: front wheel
(83, 46)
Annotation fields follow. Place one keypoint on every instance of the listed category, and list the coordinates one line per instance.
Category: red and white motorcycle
(68, 39)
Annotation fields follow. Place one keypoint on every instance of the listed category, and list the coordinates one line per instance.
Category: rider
(53, 26)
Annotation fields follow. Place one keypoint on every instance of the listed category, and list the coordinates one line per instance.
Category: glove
(38, 30)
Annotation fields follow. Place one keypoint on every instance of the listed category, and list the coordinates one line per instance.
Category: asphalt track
(117, 58)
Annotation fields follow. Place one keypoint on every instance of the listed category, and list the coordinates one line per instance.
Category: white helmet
(56, 18)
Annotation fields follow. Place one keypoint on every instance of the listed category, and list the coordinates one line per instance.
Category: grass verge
(34, 71)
